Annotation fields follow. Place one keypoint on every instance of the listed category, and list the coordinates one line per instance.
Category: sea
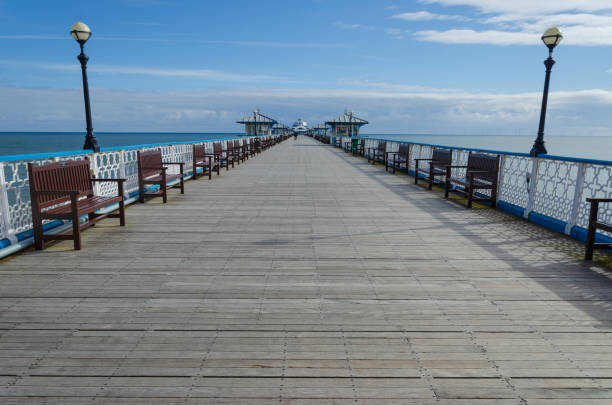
(586, 147)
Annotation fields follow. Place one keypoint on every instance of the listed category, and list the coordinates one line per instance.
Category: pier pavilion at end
(257, 124)
(346, 125)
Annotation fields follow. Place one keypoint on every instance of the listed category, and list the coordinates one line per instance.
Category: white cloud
(528, 7)
(521, 22)
(467, 36)
(395, 33)
(427, 16)
(206, 74)
(354, 26)
(413, 111)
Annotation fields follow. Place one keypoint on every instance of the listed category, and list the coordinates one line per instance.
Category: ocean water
(589, 147)
(19, 143)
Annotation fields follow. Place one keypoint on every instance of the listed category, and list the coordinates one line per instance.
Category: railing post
(533, 180)
(573, 219)
(4, 209)
(500, 177)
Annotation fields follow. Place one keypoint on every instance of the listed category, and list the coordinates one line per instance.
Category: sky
(420, 66)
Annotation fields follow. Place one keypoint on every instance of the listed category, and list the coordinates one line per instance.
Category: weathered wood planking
(307, 276)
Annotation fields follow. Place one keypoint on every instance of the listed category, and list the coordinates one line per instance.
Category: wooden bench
(221, 155)
(359, 148)
(481, 174)
(239, 151)
(246, 150)
(378, 153)
(440, 159)
(594, 225)
(401, 157)
(151, 171)
(207, 161)
(64, 190)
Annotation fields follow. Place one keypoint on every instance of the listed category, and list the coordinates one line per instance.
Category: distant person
(295, 136)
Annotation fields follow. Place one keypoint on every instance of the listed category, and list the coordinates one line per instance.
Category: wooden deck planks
(307, 276)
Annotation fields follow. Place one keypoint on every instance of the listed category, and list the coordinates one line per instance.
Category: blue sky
(429, 66)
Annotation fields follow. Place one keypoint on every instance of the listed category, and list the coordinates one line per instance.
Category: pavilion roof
(261, 119)
(347, 118)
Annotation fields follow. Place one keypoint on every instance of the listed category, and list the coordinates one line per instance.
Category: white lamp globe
(80, 32)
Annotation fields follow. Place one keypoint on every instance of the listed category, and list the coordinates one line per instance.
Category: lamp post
(551, 38)
(255, 121)
(81, 33)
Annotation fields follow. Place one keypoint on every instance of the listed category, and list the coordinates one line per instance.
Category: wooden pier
(307, 276)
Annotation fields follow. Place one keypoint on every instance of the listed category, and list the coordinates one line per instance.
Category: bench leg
(431, 180)
(122, 212)
(470, 193)
(590, 243)
(182, 185)
(416, 172)
(447, 188)
(141, 194)
(76, 230)
(38, 233)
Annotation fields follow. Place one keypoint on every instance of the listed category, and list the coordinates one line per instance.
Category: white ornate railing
(548, 190)
(15, 209)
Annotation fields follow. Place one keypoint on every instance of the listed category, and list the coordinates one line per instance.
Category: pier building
(345, 126)
(257, 124)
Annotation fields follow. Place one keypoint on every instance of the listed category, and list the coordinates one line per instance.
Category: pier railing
(15, 208)
(547, 190)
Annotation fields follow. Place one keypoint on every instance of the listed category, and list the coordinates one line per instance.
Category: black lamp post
(551, 38)
(81, 33)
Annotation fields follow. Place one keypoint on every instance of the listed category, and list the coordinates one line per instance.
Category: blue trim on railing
(548, 222)
(28, 234)
(4, 243)
(580, 233)
(511, 208)
(35, 156)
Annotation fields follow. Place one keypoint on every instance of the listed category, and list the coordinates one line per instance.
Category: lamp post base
(538, 148)
(91, 143)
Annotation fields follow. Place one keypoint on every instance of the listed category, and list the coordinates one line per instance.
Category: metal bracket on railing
(5, 213)
(573, 219)
(531, 187)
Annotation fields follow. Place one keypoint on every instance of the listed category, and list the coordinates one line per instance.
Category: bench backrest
(236, 144)
(217, 148)
(229, 146)
(382, 146)
(72, 175)
(404, 150)
(199, 151)
(487, 163)
(244, 143)
(442, 157)
(149, 163)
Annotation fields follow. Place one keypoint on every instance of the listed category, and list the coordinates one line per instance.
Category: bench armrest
(154, 168)
(115, 180)
(478, 172)
(62, 192)
(174, 163)
(456, 167)
(599, 200)
(422, 159)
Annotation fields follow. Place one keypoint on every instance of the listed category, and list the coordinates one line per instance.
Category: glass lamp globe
(552, 37)
(80, 32)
